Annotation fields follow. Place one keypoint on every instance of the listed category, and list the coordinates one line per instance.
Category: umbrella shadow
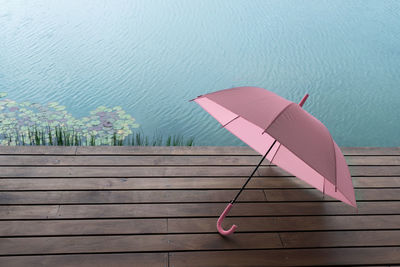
(304, 217)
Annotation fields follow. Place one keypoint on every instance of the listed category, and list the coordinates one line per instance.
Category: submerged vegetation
(60, 136)
(29, 123)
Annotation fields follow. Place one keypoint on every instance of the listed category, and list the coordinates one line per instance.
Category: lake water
(151, 57)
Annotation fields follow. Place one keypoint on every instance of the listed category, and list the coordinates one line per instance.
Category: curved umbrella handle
(221, 218)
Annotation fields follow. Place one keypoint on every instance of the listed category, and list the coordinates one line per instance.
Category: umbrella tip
(303, 100)
(195, 98)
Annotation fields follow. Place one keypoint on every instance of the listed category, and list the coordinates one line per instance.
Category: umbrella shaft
(254, 171)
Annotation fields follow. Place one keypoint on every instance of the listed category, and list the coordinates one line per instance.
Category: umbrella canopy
(304, 147)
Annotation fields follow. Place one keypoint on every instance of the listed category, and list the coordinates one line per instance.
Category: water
(151, 57)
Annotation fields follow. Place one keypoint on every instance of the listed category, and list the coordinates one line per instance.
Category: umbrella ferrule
(195, 98)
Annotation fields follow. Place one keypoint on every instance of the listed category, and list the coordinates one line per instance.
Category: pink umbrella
(286, 135)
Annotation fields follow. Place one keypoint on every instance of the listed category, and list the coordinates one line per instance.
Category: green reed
(62, 136)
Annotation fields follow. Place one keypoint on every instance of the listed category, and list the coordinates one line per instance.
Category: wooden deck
(157, 206)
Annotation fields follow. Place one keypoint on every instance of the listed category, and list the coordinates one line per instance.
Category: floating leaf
(6, 121)
(3, 94)
(101, 114)
(26, 103)
(11, 104)
(101, 108)
(59, 108)
(36, 105)
(52, 104)
(107, 124)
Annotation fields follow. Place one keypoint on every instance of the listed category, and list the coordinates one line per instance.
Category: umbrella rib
(312, 167)
(334, 153)
(223, 126)
(276, 152)
(283, 110)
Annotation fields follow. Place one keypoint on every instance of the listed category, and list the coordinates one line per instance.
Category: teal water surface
(151, 57)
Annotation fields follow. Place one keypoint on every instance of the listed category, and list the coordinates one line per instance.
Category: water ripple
(151, 57)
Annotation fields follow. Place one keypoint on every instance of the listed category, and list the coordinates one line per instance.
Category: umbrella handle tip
(221, 218)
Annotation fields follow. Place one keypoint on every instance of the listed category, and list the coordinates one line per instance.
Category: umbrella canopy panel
(304, 146)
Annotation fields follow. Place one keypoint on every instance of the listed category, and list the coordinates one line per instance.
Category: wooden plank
(292, 257)
(377, 182)
(374, 170)
(180, 196)
(297, 223)
(205, 171)
(175, 160)
(316, 195)
(370, 151)
(83, 244)
(196, 225)
(341, 239)
(90, 260)
(83, 227)
(151, 183)
(218, 150)
(148, 196)
(194, 210)
(140, 160)
(26, 212)
(136, 243)
(38, 150)
(196, 150)
(188, 242)
(373, 160)
(178, 183)
(135, 171)
(142, 150)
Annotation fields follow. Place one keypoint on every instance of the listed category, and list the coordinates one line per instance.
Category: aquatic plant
(29, 123)
(60, 136)
(178, 140)
(51, 123)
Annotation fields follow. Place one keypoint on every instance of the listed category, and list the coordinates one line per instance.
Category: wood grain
(292, 257)
(160, 171)
(157, 206)
(193, 210)
(176, 160)
(147, 196)
(89, 260)
(178, 183)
